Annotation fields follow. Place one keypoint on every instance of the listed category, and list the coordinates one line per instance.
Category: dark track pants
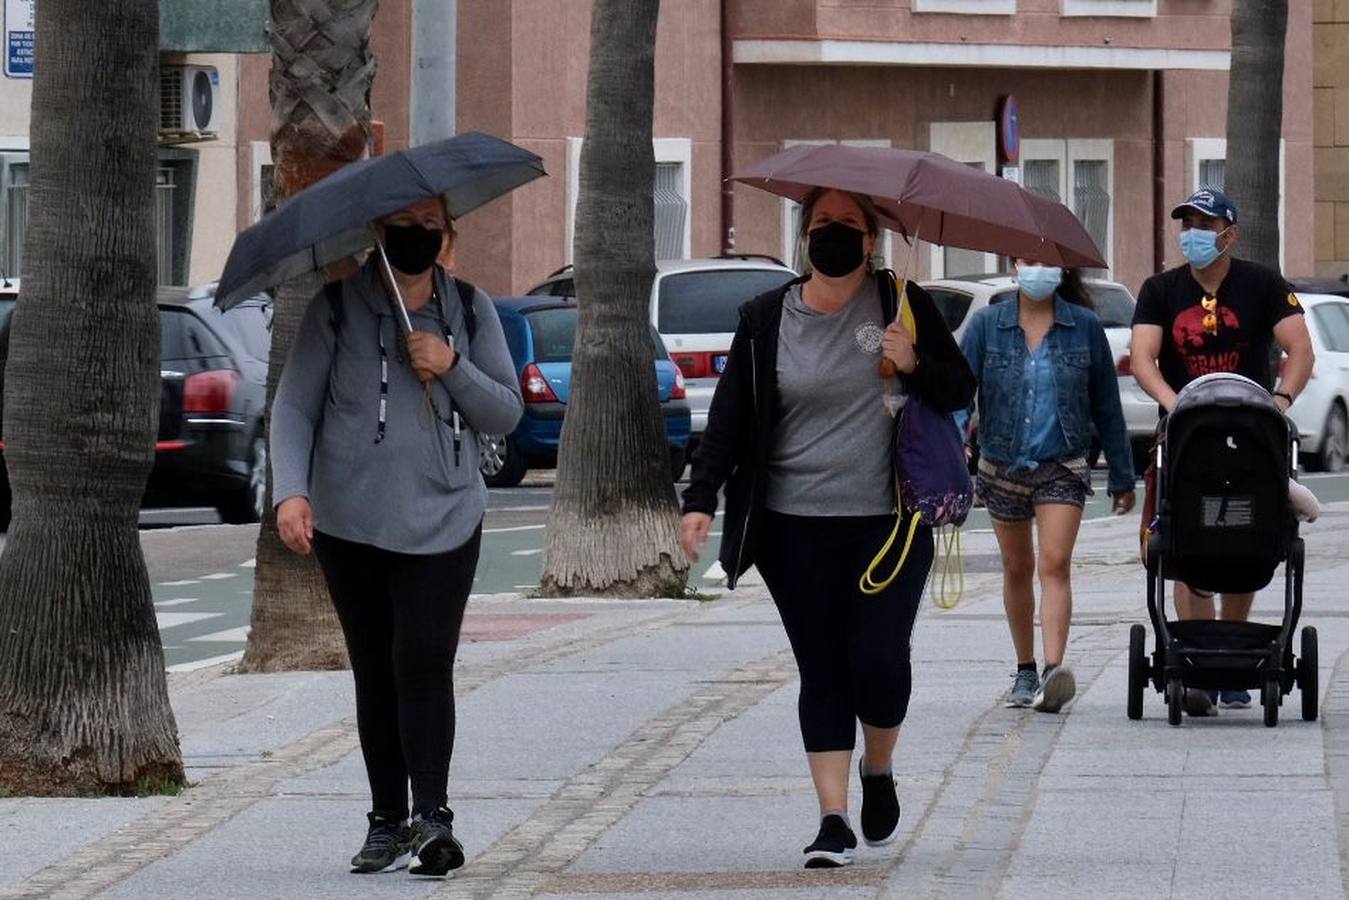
(401, 615)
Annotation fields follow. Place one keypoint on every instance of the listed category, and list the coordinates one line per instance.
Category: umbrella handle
(402, 308)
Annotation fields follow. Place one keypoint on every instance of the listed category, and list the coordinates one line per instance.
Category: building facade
(1122, 112)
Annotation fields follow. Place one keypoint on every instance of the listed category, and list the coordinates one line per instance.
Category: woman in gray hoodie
(375, 470)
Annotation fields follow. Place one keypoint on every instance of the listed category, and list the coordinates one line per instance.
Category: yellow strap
(949, 587)
(867, 583)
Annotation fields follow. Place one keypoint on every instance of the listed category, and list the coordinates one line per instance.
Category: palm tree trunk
(83, 701)
(1255, 123)
(613, 526)
(322, 70)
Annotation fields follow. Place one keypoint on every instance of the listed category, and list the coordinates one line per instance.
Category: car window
(1114, 305)
(952, 304)
(554, 333)
(6, 310)
(560, 287)
(708, 302)
(1332, 320)
(248, 326)
(172, 323)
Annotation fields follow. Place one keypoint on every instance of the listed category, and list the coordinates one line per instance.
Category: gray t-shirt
(830, 453)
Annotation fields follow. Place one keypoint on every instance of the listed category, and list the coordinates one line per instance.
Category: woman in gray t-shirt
(800, 434)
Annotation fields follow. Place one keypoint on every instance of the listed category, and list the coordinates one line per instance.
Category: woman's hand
(693, 533)
(429, 355)
(1124, 503)
(295, 522)
(897, 346)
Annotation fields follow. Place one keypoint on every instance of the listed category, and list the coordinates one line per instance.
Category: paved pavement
(649, 750)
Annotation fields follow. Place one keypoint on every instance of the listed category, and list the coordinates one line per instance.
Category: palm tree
(83, 701)
(1255, 123)
(613, 526)
(322, 70)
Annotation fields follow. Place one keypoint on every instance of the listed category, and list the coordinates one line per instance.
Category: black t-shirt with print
(1251, 300)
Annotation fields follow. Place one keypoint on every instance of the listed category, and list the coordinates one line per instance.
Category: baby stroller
(1223, 524)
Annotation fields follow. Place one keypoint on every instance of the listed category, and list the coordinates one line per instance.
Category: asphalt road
(202, 575)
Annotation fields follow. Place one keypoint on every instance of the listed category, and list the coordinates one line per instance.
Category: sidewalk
(650, 750)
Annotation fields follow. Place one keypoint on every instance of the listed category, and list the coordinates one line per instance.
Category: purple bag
(930, 469)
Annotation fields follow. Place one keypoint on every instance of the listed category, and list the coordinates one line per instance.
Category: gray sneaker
(1022, 694)
(1057, 688)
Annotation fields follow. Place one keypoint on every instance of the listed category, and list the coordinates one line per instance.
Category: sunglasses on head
(1210, 305)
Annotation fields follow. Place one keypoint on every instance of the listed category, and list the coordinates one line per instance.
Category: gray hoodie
(405, 493)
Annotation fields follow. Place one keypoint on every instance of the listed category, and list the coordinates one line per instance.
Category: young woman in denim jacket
(1046, 375)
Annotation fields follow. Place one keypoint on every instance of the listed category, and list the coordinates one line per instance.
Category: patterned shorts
(1013, 496)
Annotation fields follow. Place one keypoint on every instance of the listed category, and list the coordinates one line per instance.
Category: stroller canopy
(1224, 389)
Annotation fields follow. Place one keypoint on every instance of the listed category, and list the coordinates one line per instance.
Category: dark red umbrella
(936, 199)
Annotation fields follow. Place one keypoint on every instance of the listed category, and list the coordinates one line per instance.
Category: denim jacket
(1084, 376)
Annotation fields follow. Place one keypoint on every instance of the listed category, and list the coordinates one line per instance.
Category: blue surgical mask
(1039, 282)
(1200, 247)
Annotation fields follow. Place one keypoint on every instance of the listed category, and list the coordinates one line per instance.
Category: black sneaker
(436, 851)
(388, 846)
(833, 845)
(880, 808)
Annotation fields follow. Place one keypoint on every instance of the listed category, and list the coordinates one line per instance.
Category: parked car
(695, 306)
(210, 449)
(540, 332)
(1338, 285)
(1321, 412)
(961, 297)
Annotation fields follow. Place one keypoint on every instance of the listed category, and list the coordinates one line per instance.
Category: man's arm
(1144, 349)
(1291, 333)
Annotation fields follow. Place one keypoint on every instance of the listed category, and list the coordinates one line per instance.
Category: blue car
(540, 332)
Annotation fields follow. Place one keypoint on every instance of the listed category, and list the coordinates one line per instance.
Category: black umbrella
(331, 220)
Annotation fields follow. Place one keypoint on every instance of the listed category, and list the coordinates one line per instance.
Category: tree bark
(83, 701)
(613, 529)
(322, 70)
(1255, 123)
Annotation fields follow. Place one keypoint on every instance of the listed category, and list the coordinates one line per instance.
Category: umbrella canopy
(935, 198)
(331, 219)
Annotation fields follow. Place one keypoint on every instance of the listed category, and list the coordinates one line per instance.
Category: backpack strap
(467, 292)
(336, 312)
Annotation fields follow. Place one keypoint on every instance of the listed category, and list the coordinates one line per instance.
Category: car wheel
(501, 464)
(250, 503)
(1334, 441)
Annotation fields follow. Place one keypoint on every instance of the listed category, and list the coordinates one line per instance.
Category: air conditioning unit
(189, 97)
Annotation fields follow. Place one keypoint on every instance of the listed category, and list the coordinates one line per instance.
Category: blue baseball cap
(1210, 203)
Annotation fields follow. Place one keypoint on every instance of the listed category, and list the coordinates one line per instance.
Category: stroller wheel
(1175, 693)
(1138, 670)
(1270, 696)
(1307, 679)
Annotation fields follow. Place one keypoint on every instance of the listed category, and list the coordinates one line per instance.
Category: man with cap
(1216, 313)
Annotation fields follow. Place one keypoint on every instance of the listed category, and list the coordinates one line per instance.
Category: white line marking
(172, 620)
(203, 663)
(527, 552)
(496, 509)
(714, 572)
(228, 636)
(179, 602)
(514, 528)
(250, 564)
(179, 583)
(220, 576)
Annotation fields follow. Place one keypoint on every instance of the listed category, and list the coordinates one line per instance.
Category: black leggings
(401, 616)
(852, 649)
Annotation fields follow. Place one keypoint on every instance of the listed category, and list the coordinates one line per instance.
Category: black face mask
(411, 248)
(836, 249)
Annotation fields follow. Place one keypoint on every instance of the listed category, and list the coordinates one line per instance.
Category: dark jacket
(734, 449)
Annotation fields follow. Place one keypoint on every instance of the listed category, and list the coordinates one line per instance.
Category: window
(672, 191)
(793, 248)
(974, 144)
(708, 302)
(13, 211)
(1332, 321)
(1208, 169)
(1080, 175)
(953, 305)
(554, 334)
(969, 7)
(1131, 9)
